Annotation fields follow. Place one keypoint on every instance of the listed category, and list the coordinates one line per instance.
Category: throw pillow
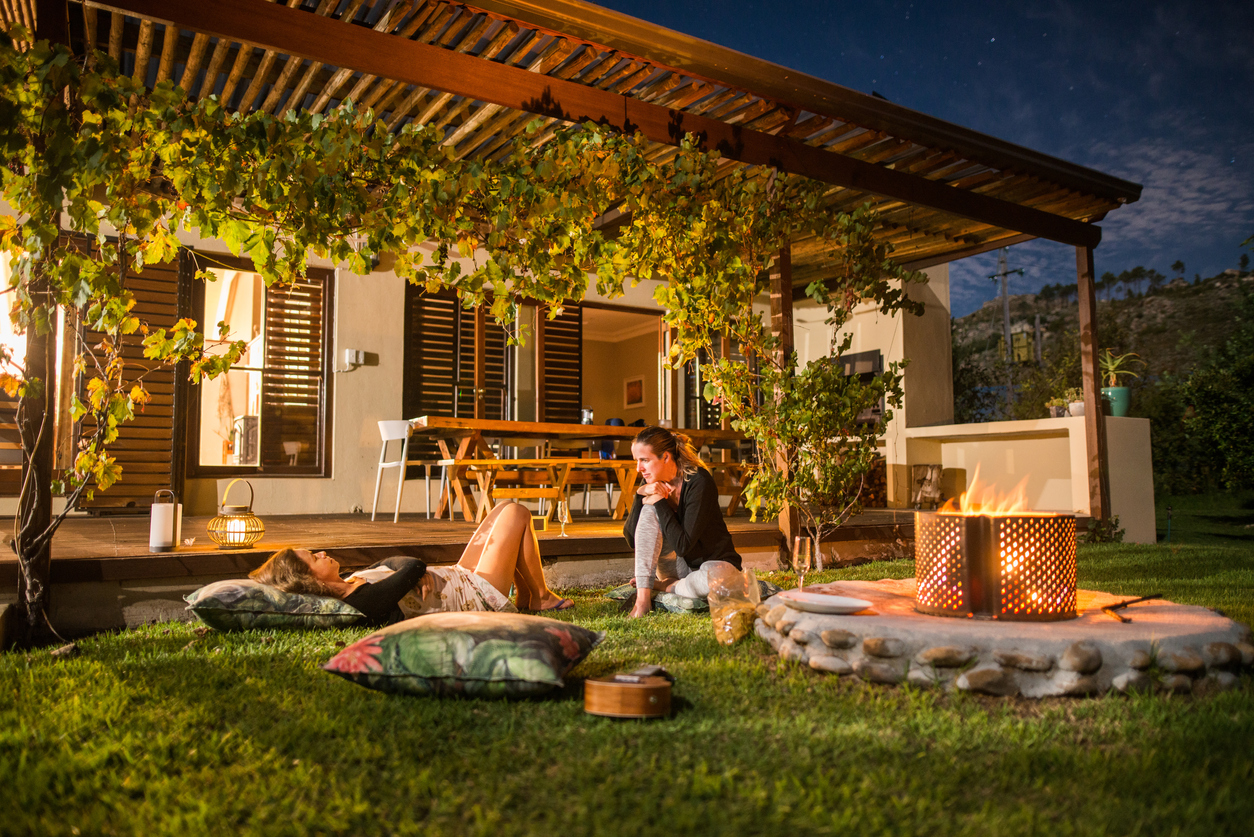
(241, 604)
(474, 654)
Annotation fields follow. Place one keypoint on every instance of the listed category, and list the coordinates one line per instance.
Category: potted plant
(1075, 401)
(1057, 407)
(1113, 367)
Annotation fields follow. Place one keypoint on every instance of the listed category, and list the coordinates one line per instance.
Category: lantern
(236, 527)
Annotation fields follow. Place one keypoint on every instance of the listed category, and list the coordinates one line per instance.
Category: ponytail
(663, 441)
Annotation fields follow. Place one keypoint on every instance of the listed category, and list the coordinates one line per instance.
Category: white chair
(397, 431)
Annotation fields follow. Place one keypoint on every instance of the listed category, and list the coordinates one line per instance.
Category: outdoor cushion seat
(472, 654)
(242, 604)
(672, 603)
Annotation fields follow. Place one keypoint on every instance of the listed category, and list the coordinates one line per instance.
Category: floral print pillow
(242, 604)
(473, 654)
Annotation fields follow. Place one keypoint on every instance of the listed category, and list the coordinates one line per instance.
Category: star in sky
(1160, 93)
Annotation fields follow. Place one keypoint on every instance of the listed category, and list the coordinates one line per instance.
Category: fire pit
(1019, 567)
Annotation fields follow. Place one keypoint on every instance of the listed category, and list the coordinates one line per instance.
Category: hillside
(1172, 328)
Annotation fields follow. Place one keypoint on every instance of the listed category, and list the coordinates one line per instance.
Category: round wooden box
(627, 696)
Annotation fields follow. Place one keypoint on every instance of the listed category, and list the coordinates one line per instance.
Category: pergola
(482, 73)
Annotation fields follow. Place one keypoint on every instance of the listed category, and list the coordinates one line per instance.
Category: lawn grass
(157, 731)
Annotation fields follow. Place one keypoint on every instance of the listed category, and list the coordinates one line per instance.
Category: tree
(1178, 268)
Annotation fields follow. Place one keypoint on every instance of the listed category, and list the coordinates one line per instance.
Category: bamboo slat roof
(481, 73)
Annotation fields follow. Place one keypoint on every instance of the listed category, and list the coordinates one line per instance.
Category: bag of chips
(734, 598)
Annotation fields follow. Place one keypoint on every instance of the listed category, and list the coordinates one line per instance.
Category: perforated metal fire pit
(1017, 567)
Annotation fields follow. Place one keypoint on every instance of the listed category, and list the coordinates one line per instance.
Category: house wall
(1052, 456)
(928, 378)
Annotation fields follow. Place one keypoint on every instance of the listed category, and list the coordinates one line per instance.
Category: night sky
(1161, 94)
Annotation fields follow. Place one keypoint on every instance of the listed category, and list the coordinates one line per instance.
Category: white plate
(822, 602)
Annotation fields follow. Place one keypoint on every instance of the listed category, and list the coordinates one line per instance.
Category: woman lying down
(501, 552)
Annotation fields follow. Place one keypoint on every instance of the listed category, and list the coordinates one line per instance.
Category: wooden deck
(88, 549)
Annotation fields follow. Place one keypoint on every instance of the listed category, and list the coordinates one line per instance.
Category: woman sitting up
(676, 511)
(501, 552)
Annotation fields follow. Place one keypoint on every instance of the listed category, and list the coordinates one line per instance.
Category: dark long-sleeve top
(696, 530)
(378, 600)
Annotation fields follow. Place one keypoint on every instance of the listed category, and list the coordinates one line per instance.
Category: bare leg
(503, 550)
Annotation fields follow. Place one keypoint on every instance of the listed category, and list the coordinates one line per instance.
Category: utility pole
(1004, 275)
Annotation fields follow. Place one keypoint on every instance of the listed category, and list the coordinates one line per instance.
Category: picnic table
(467, 454)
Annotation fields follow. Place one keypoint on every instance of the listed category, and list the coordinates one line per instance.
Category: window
(866, 365)
(270, 414)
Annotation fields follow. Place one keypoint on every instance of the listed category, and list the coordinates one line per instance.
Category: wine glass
(802, 559)
(563, 514)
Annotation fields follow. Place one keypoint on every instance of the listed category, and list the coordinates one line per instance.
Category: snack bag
(733, 604)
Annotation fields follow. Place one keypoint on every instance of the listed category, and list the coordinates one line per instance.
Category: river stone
(790, 650)
(1220, 681)
(1181, 662)
(1140, 661)
(1133, 681)
(775, 614)
(1024, 661)
(1247, 653)
(830, 663)
(989, 680)
(801, 637)
(944, 656)
(925, 677)
(1176, 684)
(786, 624)
(768, 633)
(1082, 657)
(763, 609)
(882, 646)
(874, 671)
(836, 638)
(1082, 686)
(1220, 654)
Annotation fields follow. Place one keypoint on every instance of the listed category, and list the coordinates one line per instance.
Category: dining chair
(398, 431)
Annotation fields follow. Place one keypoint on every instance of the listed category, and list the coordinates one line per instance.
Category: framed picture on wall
(633, 391)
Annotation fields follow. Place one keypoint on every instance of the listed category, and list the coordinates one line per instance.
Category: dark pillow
(241, 604)
(473, 654)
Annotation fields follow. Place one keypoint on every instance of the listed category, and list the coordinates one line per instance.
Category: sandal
(564, 604)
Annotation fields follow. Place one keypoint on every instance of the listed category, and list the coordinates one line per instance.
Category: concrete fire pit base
(1166, 647)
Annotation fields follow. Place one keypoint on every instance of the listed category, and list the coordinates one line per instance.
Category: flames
(987, 501)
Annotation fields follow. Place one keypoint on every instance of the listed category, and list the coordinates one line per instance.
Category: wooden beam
(781, 304)
(694, 57)
(986, 247)
(782, 328)
(52, 21)
(1094, 418)
(273, 26)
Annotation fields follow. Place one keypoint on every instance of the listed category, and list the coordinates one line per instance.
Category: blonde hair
(290, 573)
(662, 441)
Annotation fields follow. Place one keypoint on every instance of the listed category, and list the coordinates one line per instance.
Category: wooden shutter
(293, 385)
(147, 448)
(563, 365)
(440, 352)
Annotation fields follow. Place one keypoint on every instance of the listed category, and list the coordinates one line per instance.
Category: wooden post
(781, 327)
(1094, 418)
(481, 361)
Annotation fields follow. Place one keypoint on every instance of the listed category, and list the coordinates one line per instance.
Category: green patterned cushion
(672, 603)
(472, 654)
(241, 604)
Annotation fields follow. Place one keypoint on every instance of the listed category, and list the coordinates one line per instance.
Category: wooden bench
(533, 479)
